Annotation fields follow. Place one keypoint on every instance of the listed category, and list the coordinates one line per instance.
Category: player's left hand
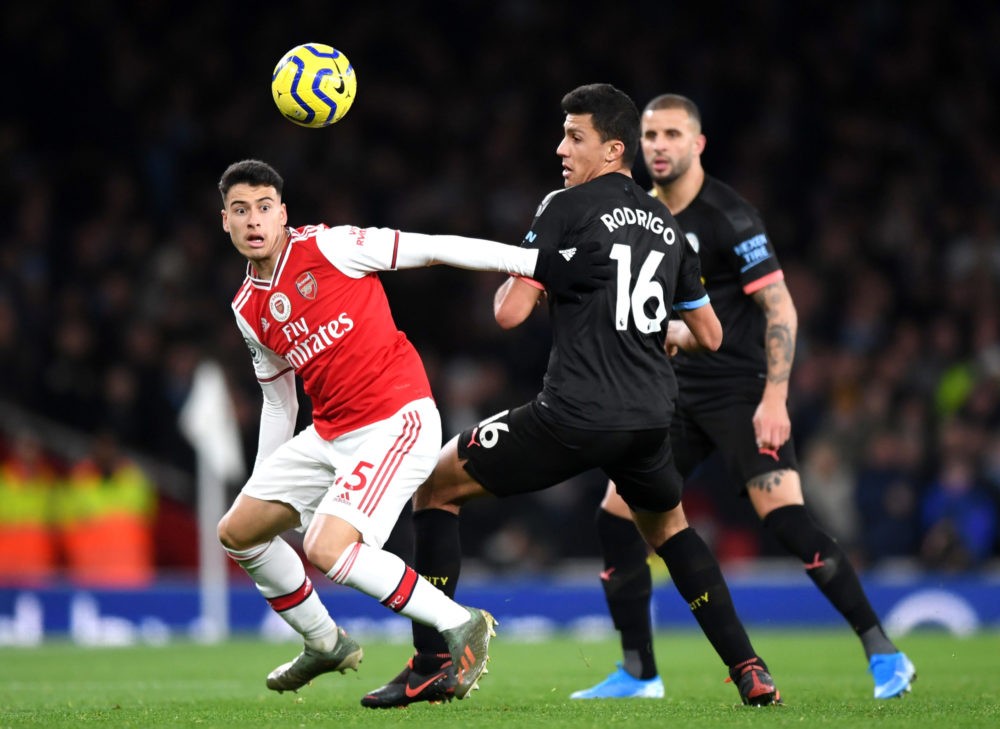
(570, 272)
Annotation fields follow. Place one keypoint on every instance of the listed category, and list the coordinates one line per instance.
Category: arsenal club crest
(280, 306)
(306, 284)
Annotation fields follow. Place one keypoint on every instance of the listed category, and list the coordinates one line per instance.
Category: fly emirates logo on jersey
(306, 343)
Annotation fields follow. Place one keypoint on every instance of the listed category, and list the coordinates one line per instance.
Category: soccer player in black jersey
(597, 408)
(733, 401)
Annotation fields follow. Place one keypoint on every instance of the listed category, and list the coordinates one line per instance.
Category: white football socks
(280, 577)
(387, 578)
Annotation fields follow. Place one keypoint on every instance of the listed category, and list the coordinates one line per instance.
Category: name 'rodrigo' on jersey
(607, 368)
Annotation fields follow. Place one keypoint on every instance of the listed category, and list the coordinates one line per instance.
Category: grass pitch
(822, 676)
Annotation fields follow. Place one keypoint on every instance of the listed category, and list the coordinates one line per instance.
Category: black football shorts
(719, 417)
(520, 451)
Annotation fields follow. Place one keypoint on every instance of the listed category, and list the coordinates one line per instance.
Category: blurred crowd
(865, 133)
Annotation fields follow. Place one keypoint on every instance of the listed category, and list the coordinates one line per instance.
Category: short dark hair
(251, 172)
(613, 113)
(675, 101)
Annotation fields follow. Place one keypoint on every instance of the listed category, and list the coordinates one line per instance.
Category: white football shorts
(364, 477)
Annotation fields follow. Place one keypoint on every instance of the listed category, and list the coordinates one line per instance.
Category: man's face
(255, 219)
(671, 140)
(584, 155)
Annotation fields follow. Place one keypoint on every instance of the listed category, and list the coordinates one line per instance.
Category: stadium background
(864, 132)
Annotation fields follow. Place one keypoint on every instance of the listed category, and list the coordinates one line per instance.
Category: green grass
(822, 676)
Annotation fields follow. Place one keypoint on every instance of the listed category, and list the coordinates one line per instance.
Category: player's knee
(236, 540)
(613, 503)
(791, 525)
(617, 534)
(775, 490)
(796, 531)
(428, 497)
(446, 493)
(323, 551)
(230, 537)
(657, 528)
(251, 522)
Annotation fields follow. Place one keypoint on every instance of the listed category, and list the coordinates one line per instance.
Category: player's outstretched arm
(566, 273)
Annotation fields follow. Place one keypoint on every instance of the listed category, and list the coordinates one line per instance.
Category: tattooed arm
(770, 421)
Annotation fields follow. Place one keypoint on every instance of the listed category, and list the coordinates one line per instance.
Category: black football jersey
(607, 369)
(737, 259)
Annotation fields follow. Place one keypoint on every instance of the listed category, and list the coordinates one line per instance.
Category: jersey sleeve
(754, 256)
(356, 252)
(547, 229)
(690, 292)
(359, 251)
(280, 406)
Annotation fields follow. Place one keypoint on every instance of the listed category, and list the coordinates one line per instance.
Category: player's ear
(615, 150)
(284, 214)
(699, 143)
(225, 220)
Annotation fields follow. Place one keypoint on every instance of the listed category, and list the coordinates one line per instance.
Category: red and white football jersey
(324, 314)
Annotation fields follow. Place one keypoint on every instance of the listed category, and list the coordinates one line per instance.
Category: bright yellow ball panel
(313, 85)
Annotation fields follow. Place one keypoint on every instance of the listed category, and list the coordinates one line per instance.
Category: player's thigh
(251, 521)
(729, 425)
(516, 452)
(690, 444)
(298, 474)
(379, 467)
(645, 475)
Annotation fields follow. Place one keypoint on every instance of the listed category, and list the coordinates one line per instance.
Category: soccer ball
(313, 85)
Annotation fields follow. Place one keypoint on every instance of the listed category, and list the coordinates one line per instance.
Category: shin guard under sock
(828, 567)
(698, 578)
(628, 587)
(438, 558)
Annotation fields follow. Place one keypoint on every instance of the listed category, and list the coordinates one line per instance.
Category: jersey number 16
(645, 289)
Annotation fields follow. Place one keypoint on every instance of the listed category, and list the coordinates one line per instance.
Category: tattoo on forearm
(779, 337)
(780, 345)
(768, 481)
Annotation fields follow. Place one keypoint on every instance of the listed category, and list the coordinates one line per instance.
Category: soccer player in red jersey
(312, 305)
